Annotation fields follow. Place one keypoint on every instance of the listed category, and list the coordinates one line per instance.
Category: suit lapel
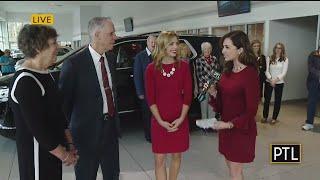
(148, 58)
(90, 67)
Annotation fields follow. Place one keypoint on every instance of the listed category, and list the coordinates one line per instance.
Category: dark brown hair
(240, 40)
(34, 38)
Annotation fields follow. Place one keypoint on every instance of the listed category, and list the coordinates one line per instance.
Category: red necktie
(107, 88)
(208, 59)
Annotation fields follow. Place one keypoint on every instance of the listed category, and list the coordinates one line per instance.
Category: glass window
(13, 31)
(204, 31)
(220, 31)
(127, 52)
(256, 31)
(238, 27)
(184, 32)
(193, 31)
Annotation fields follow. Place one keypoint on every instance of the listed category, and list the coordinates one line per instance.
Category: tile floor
(202, 161)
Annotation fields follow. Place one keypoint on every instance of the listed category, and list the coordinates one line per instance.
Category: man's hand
(141, 96)
(213, 91)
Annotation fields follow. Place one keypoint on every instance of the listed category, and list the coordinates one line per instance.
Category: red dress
(237, 101)
(169, 94)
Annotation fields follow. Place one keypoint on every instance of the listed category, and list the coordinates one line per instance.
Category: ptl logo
(43, 19)
(285, 153)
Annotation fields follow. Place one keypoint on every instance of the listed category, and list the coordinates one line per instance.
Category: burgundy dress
(169, 94)
(237, 101)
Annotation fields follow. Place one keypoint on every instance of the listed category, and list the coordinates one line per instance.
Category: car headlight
(4, 93)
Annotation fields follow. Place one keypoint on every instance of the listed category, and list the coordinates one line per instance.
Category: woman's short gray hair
(96, 23)
(204, 44)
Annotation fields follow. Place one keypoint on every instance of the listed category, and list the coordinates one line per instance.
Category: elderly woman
(42, 134)
(7, 63)
(205, 65)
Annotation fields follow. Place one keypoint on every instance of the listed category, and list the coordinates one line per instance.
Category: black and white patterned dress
(40, 123)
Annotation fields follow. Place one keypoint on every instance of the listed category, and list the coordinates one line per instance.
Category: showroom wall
(2, 15)
(259, 13)
(299, 37)
(291, 31)
(62, 23)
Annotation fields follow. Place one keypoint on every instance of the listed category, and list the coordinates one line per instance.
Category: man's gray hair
(204, 44)
(96, 23)
(151, 36)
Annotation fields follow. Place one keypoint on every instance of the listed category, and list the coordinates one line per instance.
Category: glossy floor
(203, 161)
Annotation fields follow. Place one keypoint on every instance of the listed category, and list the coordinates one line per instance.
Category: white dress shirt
(148, 51)
(277, 70)
(96, 60)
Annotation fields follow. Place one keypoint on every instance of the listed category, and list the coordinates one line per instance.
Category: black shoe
(148, 139)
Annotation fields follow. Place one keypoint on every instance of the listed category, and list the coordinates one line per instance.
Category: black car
(125, 49)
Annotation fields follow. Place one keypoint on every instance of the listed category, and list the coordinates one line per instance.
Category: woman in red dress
(169, 94)
(236, 97)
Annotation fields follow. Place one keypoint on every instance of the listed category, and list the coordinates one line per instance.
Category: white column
(266, 37)
(318, 31)
(81, 18)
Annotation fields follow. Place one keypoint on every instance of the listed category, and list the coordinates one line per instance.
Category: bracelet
(66, 157)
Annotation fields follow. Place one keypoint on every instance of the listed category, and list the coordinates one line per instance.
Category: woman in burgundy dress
(169, 94)
(236, 97)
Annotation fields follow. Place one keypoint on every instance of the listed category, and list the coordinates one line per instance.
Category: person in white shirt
(277, 67)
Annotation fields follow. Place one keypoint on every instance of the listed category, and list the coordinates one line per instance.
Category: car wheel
(8, 116)
(7, 122)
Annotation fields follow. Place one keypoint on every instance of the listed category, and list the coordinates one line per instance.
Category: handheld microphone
(216, 77)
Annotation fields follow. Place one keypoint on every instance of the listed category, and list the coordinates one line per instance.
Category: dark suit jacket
(141, 61)
(83, 102)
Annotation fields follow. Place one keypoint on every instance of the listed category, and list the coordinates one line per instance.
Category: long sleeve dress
(237, 101)
(169, 94)
(40, 124)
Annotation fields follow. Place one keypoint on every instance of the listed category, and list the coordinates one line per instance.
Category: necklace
(170, 73)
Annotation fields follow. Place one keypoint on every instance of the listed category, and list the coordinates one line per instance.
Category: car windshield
(61, 58)
(17, 51)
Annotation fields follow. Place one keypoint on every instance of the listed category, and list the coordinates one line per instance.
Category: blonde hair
(183, 51)
(162, 42)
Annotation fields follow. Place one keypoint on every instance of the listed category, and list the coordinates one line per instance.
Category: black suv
(125, 49)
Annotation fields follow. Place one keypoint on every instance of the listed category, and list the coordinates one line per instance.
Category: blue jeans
(313, 98)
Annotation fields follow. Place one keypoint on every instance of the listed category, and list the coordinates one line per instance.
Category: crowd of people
(75, 121)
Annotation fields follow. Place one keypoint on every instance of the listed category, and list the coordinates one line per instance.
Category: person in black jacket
(141, 61)
(256, 47)
(88, 83)
(42, 133)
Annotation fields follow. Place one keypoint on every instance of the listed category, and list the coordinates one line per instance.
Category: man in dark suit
(141, 61)
(87, 82)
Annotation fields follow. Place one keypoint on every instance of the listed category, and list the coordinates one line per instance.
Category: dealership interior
(296, 24)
